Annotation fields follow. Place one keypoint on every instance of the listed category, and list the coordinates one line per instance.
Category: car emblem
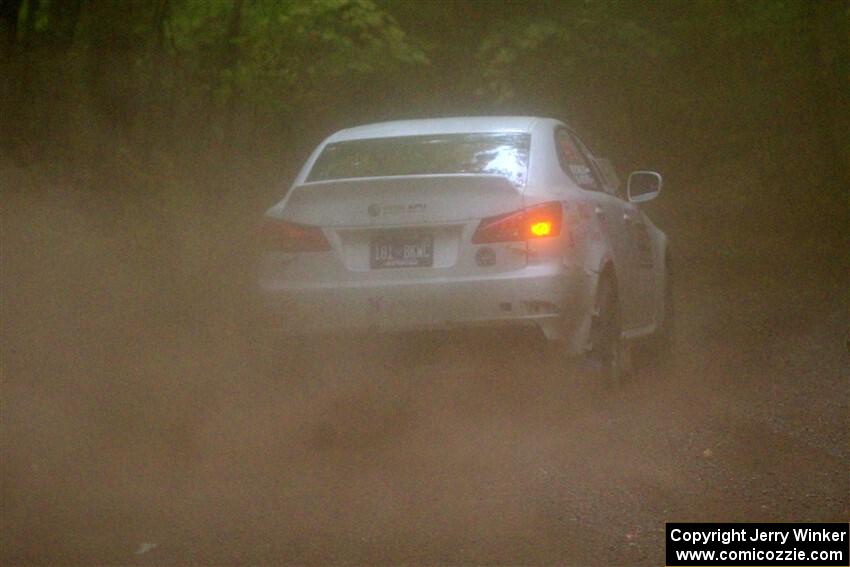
(485, 256)
(374, 210)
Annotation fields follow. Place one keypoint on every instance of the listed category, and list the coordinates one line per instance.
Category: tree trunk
(9, 14)
(157, 104)
(231, 58)
(827, 23)
(63, 16)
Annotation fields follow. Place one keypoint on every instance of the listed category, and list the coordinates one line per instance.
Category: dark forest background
(140, 142)
(201, 105)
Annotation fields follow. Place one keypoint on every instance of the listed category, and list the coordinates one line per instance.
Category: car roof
(456, 125)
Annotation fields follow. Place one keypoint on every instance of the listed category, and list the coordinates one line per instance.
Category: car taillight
(283, 236)
(538, 221)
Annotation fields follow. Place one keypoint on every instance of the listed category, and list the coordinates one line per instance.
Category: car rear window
(503, 154)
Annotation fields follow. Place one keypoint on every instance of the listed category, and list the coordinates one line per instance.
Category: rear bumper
(543, 295)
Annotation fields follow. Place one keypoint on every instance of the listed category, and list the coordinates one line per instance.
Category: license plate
(402, 251)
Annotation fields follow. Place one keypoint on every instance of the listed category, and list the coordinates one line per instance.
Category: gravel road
(134, 431)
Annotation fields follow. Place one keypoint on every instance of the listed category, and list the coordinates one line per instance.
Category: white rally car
(456, 222)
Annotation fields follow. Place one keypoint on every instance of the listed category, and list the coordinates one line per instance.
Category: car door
(613, 216)
(638, 247)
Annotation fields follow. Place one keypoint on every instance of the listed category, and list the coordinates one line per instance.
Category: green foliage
(576, 48)
(288, 54)
(686, 87)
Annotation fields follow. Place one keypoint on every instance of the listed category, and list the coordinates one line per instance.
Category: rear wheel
(609, 357)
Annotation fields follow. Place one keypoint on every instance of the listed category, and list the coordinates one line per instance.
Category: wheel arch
(578, 339)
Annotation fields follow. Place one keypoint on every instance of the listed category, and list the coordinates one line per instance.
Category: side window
(574, 162)
(609, 184)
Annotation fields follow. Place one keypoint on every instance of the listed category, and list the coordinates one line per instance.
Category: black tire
(609, 357)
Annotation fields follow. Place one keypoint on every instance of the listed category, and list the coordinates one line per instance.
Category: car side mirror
(643, 186)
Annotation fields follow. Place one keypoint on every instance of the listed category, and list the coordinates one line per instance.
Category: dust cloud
(137, 430)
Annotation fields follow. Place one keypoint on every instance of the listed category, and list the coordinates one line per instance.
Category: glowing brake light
(541, 228)
(283, 236)
(534, 222)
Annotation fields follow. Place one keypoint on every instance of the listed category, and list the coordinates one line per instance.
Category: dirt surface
(134, 430)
